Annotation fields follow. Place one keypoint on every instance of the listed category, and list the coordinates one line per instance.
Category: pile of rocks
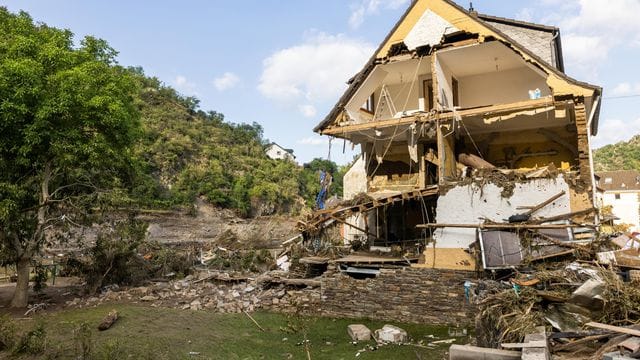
(224, 294)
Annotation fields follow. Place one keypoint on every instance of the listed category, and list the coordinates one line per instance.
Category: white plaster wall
(467, 204)
(443, 77)
(276, 152)
(428, 30)
(500, 87)
(354, 182)
(404, 97)
(626, 208)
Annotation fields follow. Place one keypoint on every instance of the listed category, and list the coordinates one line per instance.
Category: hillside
(187, 153)
(624, 155)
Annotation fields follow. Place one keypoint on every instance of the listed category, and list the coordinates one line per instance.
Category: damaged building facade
(467, 120)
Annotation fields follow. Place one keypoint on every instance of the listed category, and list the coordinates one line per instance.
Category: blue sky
(283, 64)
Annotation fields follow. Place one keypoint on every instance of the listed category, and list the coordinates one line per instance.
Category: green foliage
(186, 153)
(7, 332)
(40, 278)
(83, 339)
(123, 137)
(309, 179)
(114, 258)
(624, 155)
(250, 260)
(33, 342)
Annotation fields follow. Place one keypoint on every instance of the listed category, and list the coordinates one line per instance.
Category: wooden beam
(424, 117)
(545, 203)
(531, 344)
(501, 226)
(617, 329)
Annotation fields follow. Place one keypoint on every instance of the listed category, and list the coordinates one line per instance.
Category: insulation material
(443, 80)
(428, 30)
(412, 141)
(491, 120)
(378, 149)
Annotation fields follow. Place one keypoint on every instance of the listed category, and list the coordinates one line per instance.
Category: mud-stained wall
(469, 204)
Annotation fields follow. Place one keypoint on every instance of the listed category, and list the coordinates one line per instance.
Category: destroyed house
(465, 121)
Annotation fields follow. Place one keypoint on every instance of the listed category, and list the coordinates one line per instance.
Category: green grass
(159, 333)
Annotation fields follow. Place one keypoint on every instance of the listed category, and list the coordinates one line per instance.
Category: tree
(67, 119)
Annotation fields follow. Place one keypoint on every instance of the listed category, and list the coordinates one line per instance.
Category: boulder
(392, 334)
(358, 332)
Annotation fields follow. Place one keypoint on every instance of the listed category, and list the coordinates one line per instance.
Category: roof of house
(355, 81)
(520, 23)
(619, 180)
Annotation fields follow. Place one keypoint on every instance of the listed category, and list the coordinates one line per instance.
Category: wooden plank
(424, 117)
(500, 226)
(614, 328)
(531, 344)
(469, 352)
(545, 203)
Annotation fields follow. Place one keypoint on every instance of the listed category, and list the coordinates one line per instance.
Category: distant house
(277, 152)
(621, 190)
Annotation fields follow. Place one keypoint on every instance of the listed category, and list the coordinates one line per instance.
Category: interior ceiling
(401, 72)
(480, 59)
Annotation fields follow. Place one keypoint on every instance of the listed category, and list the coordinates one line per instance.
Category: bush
(7, 333)
(83, 339)
(33, 342)
(115, 259)
(40, 278)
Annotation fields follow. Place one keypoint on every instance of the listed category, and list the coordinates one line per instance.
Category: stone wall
(412, 295)
(405, 294)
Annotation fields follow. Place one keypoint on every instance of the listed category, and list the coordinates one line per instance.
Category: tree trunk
(21, 294)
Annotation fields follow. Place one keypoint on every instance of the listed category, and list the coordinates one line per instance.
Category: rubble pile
(591, 310)
(215, 292)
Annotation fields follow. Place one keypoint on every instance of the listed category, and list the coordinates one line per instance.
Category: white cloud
(183, 85)
(626, 88)
(313, 140)
(524, 15)
(590, 29)
(614, 130)
(308, 110)
(314, 71)
(585, 53)
(367, 7)
(227, 81)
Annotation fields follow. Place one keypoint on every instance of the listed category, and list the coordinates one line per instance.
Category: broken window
(369, 105)
(427, 91)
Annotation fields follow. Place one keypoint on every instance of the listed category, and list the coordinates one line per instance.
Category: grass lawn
(160, 333)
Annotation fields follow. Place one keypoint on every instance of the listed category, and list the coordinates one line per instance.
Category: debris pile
(588, 308)
(215, 291)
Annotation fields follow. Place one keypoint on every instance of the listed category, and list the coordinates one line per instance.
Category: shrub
(83, 339)
(7, 332)
(33, 342)
(115, 259)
